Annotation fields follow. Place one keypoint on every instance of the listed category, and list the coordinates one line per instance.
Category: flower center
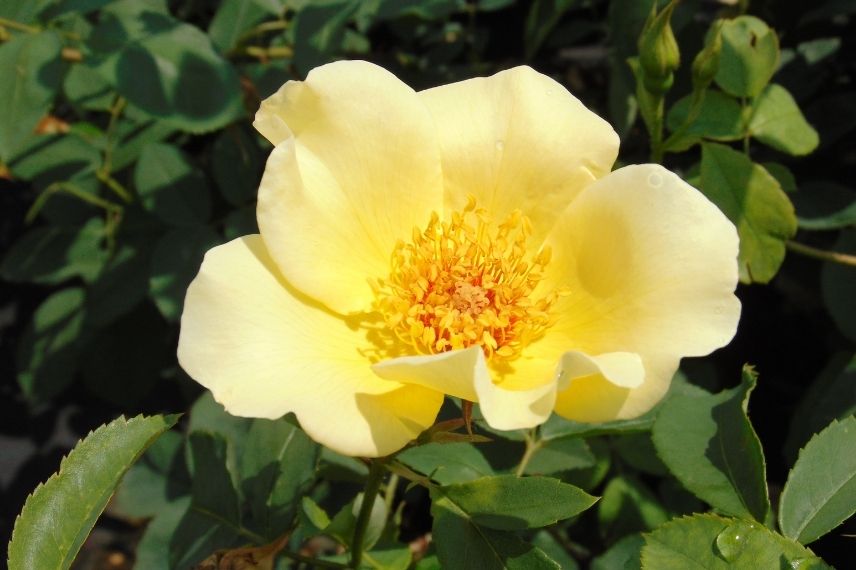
(467, 282)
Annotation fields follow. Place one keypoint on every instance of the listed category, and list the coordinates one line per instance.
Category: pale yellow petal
(594, 387)
(450, 372)
(356, 167)
(263, 350)
(624, 369)
(518, 140)
(465, 374)
(651, 266)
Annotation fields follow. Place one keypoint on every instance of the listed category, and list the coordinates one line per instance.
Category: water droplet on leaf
(731, 541)
(808, 563)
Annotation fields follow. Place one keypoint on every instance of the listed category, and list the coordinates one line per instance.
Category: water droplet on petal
(655, 180)
(808, 563)
(731, 541)
(500, 145)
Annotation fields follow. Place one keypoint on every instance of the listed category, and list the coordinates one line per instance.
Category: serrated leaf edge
(169, 421)
(785, 490)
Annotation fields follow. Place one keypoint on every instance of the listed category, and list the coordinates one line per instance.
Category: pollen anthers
(467, 281)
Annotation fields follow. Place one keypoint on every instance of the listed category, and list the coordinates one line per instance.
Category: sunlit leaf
(32, 73)
(750, 54)
(717, 543)
(778, 122)
(506, 502)
(821, 489)
(447, 463)
(753, 200)
(167, 68)
(711, 448)
(461, 543)
(59, 515)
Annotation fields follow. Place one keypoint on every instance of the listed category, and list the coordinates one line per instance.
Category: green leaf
(213, 489)
(778, 122)
(626, 554)
(175, 263)
(45, 159)
(720, 117)
(134, 136)
(24, 11)
(49, 348)
(589, 478)
(428, 563)
(208, 415)
(213, 519)
(170, 187)
(716, 543)
(506, 502)
(627, 506)
(122, 284)
(277, 464)
(554, 549)
(836, 280)
(711, 448)
(637, 450)
(236, 164)
(345, 521)
(232, 19)
(389, 559)
(86, 89)
(50, 255)
(461, 543)
(32, 71)
(821, 489)
(195, 537)
(753, 200)
(64, 7)
(447, 463)
(825, 205)
(319, 29)
(338, 467)
(153, 548)
(557, 455)
(166, 68)
(423, 9)
(838, 219)
(60, 513)
(312, 515)
(749, 57)
(156, 481)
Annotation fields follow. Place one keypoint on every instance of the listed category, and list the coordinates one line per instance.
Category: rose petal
(356, 167)
(265, 350)
(518, 140)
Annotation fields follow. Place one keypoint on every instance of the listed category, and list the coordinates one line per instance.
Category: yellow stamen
(467, 282)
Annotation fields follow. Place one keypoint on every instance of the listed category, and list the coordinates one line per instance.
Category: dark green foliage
(127, 151)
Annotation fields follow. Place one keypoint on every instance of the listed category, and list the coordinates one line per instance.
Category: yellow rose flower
(467, 240)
